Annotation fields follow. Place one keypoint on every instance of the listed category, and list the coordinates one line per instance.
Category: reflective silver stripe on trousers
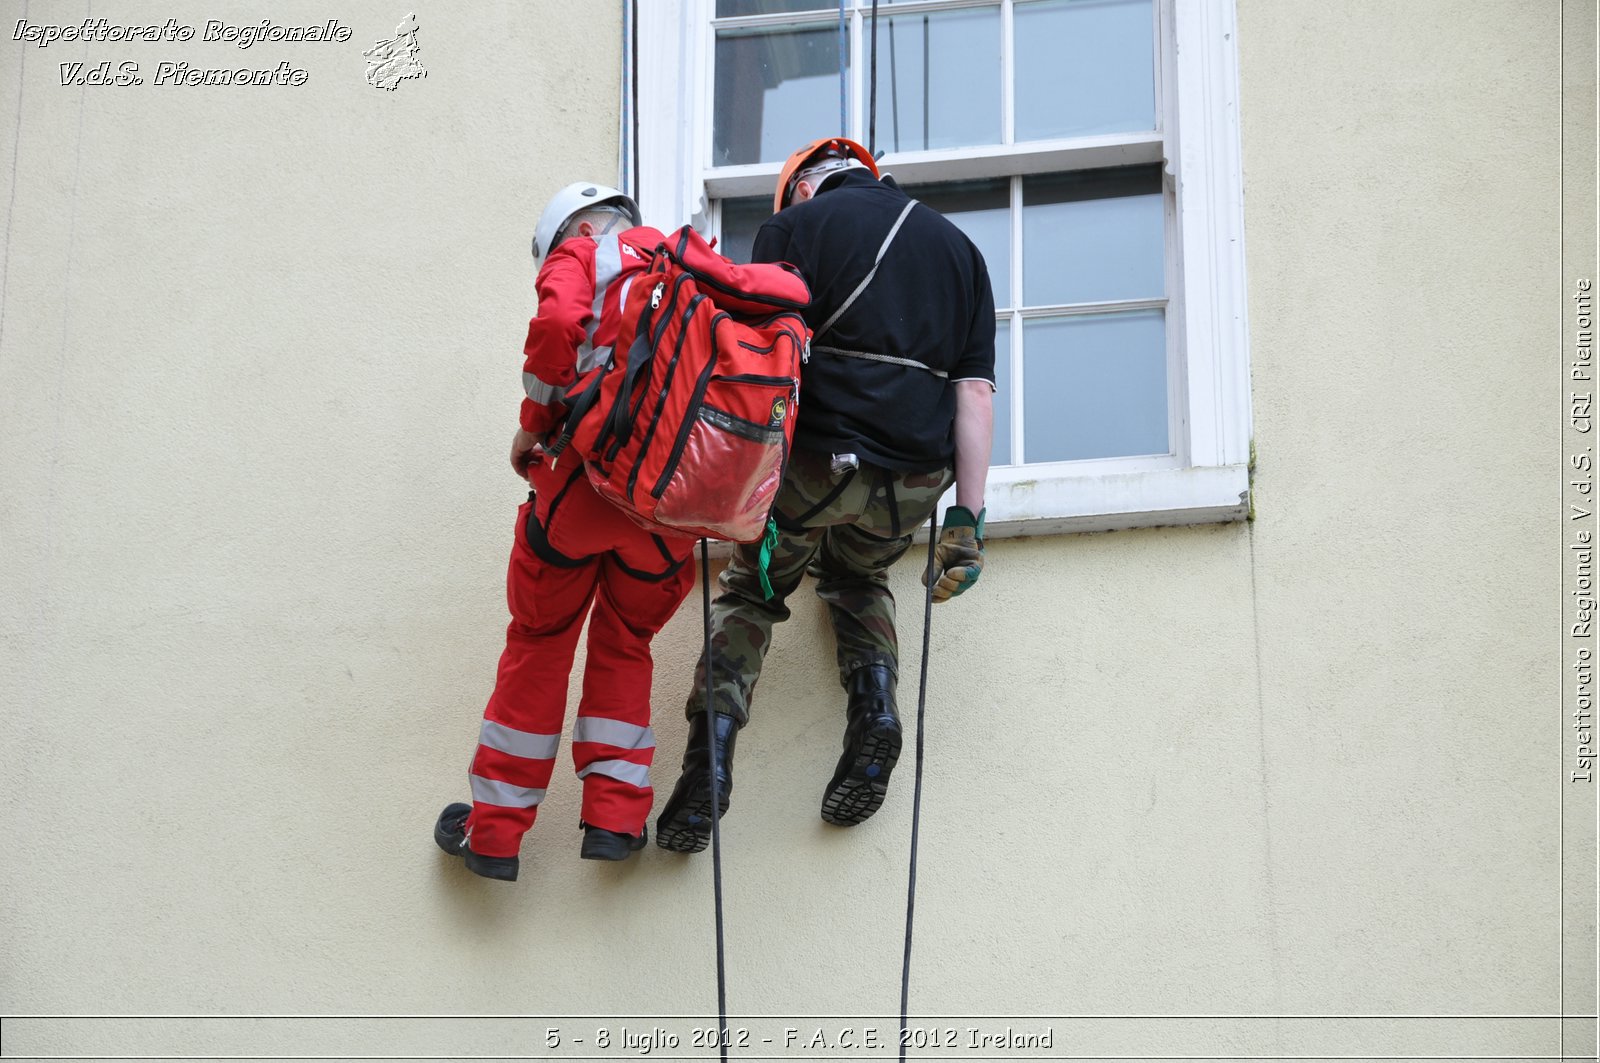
(883, 249)
(518, 743)
(621, 770)
(495, 792)
(539, 391)
(869, 356)
(613, 733)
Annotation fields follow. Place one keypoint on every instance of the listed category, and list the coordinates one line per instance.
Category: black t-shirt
(930, 303)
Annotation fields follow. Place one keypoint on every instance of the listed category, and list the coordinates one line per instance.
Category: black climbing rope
(716, 802)
(844, 74)
(872, 92)
(916, 796)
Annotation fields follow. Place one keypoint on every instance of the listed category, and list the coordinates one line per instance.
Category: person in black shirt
(895, 404)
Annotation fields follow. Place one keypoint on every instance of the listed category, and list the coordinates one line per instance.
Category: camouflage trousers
(848, 527)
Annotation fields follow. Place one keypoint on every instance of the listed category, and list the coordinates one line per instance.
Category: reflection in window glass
(1084, 67)
(1097, 386)
(730, 8)
(1093, 236)
(774, 91)
(982, 210)
(1001, 454)
(939, 80)
(740, 220)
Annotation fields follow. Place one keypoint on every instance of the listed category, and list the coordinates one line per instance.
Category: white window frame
(1206, 477)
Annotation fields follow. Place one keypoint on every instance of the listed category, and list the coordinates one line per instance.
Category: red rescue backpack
(687, 426)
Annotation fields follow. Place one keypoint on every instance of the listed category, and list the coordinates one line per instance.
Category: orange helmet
(827, 147)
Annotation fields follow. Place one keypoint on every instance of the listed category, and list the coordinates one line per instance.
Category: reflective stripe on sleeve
(518, 743)
(607, 267)
(540, 391)
(613, 733)
(589, 357)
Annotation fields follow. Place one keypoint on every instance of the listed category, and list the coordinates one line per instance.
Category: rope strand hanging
(927, 610)
(872, 92)
(844, 73)
(916, 793)
(716, 805)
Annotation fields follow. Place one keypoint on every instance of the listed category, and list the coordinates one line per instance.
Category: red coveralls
(572, 549)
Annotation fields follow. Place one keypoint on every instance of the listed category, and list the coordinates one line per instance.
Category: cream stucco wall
(257, 374)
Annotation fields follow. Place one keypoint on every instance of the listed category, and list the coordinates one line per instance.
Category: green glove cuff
(961, 517)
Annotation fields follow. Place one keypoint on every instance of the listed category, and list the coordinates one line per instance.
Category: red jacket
(581, 290)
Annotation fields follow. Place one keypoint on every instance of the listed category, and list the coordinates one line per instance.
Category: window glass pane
(939, 80)
(730, 8)
(1084, 67)
(1093, 236)
(1096, 386)
(1001, 454)
(740, 220)
(774, 92)
(982, 210)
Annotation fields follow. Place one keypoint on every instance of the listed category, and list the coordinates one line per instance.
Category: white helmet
(574, 199)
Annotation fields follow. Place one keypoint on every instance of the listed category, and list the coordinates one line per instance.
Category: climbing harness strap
(883, 249)
(910, 363)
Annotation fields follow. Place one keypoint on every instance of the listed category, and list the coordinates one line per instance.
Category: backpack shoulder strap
(871, 273)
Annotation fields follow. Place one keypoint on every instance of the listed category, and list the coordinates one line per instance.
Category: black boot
(685, 823)
(871, 746)
(602, 844)
(450, 834)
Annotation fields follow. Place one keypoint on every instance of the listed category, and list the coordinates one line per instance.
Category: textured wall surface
(258, 371)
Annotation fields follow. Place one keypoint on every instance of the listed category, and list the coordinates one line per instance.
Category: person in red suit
(575, 556)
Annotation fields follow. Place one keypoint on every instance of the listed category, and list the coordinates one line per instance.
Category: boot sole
(860, 792)
(687, 828)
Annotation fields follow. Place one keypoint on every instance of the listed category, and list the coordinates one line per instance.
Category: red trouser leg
(612, 743)
(642, 579)
(521, 728)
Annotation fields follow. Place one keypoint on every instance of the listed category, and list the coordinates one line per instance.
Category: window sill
(1024, 500)
(959, 164)
(1040, 500)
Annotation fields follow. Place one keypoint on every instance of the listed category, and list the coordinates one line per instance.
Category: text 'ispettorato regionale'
(179, 71)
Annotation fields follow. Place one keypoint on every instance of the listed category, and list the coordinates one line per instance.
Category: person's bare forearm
(974, 438)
